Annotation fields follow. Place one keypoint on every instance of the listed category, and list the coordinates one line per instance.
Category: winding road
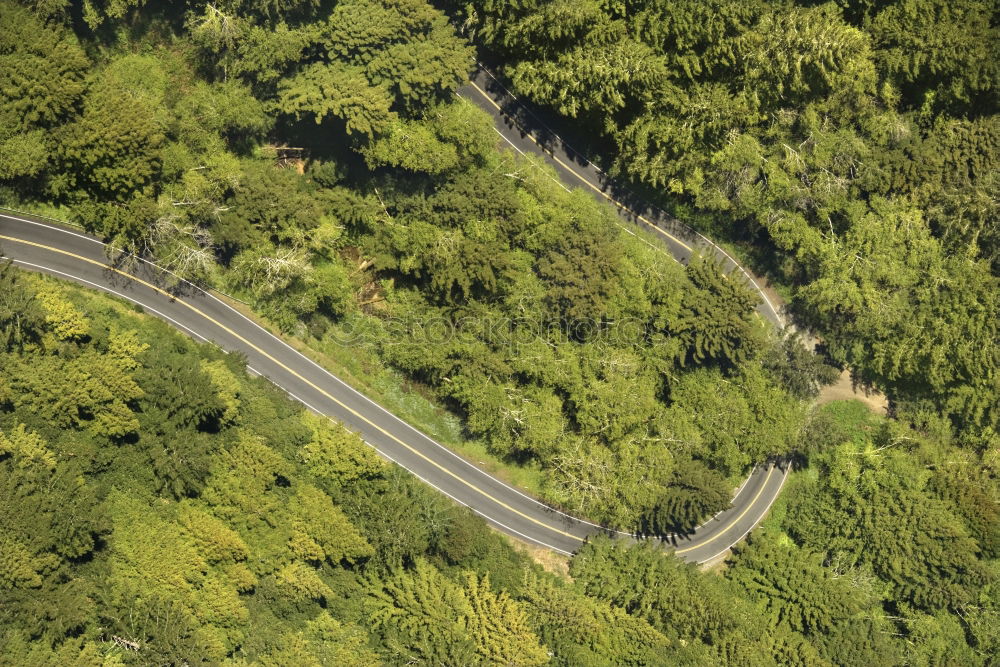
(41, 245)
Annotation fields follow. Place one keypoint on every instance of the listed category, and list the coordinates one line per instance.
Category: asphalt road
(522, 129)
(41, 245)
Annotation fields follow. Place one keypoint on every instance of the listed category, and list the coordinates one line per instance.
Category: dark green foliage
(580, 271)
(126, 221)
(798, 370)
(942, 54)
(794, 587)
(194, 537)
(392, 510)
(383, 58)
(441, 241)
(718, 321)
(309, 157)
(584, 631)
(673, 597)
(695, 494)
(874, 511)
(43, 506)
(184, 397)
(270, 203)
(967, 487)
(340, 91)
(112, 149)
(42, 68)
(405, 48)
(48, 519)
(572, 340)
(852, 144)
(20, 314)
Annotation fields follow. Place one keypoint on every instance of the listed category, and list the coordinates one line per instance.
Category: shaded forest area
(849, 149)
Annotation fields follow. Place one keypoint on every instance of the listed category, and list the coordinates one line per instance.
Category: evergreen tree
(695, 494)
(21, 317)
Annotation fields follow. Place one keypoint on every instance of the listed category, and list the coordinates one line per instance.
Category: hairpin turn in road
(57, 250)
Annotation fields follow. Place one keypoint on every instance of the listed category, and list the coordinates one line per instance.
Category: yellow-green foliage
(19, 568)
(428, 612)
(155, 559)
(26, 447)
(302, 582)
(125, 347)
(218, 542)
(156, 493)
(323, 641)
(226, 385)
(499, 626)
(76, 652)
(91, 391)
(321, 525)
(335, 454)
(422, 603)
(568, 618)
(242, 478)
(66, 321)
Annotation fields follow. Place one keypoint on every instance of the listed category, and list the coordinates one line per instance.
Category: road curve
(41, 245)
(523, 131)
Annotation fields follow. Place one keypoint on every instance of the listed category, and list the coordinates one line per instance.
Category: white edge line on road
(736, 494)
(522, 153)
(756, 523)
(102, 288)
(781, 321)
(340, 382)
(624, 228)
(336, 379)
(436, 488)
(253, 370)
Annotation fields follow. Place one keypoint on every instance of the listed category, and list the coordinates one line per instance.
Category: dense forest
(310, 158)
(153, 493)
(852, 145)
(571, 346)
(160, 506)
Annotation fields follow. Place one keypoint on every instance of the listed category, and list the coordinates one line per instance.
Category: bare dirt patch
(550, 561)
(845, 388)
(717, 565)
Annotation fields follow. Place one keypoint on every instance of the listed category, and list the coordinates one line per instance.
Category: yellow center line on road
(749, 507)
(297, 375)
(590, 185)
